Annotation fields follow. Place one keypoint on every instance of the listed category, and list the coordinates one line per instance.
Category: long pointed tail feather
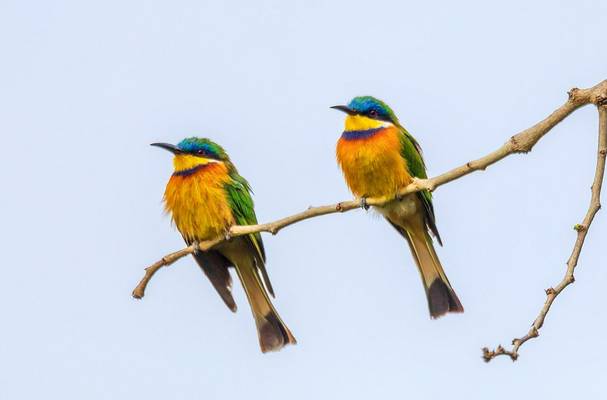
(273, 332)
(441, 296)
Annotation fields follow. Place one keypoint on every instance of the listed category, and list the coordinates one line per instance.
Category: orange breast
(373, 166)
(198, 203)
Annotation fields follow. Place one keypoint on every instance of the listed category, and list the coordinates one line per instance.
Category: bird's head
(192, 153)
(367, 112)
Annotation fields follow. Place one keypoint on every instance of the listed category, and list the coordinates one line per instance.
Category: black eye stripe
(373, 113)
(206, 153)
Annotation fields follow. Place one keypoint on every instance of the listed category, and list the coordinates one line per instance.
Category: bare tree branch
(582, 231)
(522, 142)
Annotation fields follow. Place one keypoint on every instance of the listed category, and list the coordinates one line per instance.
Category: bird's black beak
(169, 147)
(345, 109)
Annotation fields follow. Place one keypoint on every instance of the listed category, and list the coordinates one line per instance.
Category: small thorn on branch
(517, 147)
(550, 291)
(488, 354)
(572, 93)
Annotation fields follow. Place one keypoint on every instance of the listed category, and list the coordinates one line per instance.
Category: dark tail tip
(442, 299)
(273, 333)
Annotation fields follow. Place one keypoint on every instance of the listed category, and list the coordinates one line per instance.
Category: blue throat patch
(352, 135)
(190, 171)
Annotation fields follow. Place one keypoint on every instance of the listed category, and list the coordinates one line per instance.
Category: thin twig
(582, 231)
(522, 142)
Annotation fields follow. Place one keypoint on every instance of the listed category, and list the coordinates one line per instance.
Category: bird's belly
(373, 167)
(198, 207)
(372, 179)
(401, 210)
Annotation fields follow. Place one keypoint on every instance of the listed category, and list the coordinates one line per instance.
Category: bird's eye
(200, 152)
(373, 113)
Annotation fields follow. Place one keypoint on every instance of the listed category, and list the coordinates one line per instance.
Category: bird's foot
(363, 203)
(227, 235)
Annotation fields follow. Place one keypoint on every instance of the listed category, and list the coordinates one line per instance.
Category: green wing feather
(239, 196)
(412, 153)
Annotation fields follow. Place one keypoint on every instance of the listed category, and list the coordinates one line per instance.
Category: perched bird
(378, 157)
(205, 197)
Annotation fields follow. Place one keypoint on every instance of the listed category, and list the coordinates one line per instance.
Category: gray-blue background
(86, 86)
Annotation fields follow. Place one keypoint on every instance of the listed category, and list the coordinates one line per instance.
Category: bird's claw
(227, 235)
(363, 203)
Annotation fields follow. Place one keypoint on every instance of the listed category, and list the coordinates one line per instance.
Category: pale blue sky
(86, 86)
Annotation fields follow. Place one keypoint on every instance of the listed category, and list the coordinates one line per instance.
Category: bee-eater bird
(205, 197)
(378, 157)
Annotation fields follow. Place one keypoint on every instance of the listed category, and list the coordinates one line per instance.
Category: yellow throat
(362, 123)
(183, 162)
